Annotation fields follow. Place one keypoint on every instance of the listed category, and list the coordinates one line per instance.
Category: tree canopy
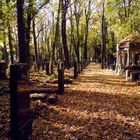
(68, 30)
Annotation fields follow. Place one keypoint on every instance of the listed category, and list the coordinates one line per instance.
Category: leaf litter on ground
(97, 105)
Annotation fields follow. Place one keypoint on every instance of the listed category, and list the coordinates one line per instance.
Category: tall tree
(87, 16)
(65, 4)
(73, 46)
(28, 19)
(77, 13)
(103, 46)
(56, 34)
(23, 48)
(5, 54)
(35, 45)
(9, 35)
(24, 21)
(123, 17)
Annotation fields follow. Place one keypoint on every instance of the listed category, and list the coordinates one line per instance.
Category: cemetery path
(98, 105)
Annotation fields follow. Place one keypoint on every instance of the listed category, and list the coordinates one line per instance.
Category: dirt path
(99, 105)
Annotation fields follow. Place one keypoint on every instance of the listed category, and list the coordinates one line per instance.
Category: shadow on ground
(97, 106)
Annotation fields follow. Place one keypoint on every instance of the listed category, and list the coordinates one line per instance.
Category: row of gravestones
(20, 120)
(46, 66)
(78, 67)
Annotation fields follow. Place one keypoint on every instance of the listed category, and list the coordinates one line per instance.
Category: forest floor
(98, 105)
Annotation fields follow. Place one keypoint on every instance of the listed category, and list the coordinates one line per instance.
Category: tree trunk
(42, 43)
(27, 35)
(73, 41)
(55, 42)
(78, 40)
(35, 45)
(64, 36)
(38, 51)
(85, 46)
(77, 18)
(23, 47)
(5, 54)
(10, 45)
(53, 46)
(87, 14)
(103, 38)
(45, 47)
(48, 47)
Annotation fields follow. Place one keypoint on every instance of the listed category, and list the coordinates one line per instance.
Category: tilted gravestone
(20, 121)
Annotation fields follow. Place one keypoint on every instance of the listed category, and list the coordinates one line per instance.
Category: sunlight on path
(95, 79)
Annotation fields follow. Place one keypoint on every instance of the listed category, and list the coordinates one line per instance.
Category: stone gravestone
(20, 121)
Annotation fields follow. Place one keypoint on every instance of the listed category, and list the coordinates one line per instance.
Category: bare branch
(40, 31)
(39, 8)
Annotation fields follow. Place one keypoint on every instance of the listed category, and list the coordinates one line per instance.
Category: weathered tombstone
(47, 68)
(61, 78)
(13, 102)
(75, 70)
(20, 122)
(2, 70)
(134, 76)
(127, 74)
